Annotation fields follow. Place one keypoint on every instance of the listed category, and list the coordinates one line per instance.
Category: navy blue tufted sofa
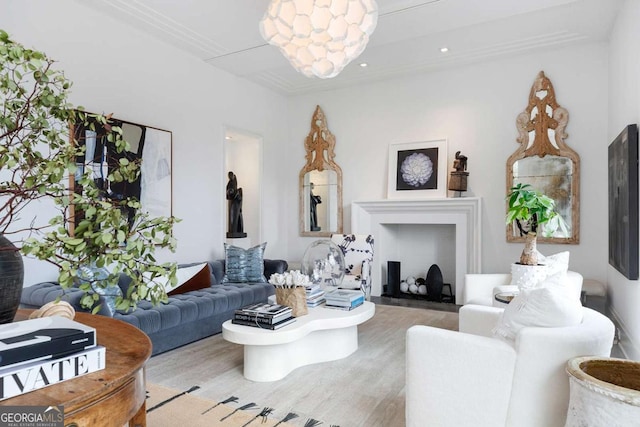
(186, 317)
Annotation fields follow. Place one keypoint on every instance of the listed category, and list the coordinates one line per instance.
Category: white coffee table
(323, 335)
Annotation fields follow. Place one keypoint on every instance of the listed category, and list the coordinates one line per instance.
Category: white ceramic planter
(527, 276)
(604, 392)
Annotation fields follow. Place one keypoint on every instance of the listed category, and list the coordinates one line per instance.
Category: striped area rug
(169, 407)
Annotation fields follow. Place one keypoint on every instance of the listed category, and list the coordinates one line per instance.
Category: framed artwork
(149, 145)
(623, 202)
(418, 170)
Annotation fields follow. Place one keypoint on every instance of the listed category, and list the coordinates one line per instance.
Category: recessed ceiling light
(228, 137)
(444, 49)
(364, 64)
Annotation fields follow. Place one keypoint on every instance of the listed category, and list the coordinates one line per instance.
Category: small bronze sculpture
(460, 163)
(458, 179)
(234, 196)
(314, 210)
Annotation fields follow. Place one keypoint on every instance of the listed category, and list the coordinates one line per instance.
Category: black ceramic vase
(434, 283)
(11, 278)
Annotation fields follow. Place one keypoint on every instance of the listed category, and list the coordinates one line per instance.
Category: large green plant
(36, 157)
(529, 207)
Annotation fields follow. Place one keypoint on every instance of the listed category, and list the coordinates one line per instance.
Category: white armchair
(481, 288)
(470, 378)
(358, 257)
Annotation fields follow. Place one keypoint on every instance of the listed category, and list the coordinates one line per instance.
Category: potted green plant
(37, 155)
(532, 210)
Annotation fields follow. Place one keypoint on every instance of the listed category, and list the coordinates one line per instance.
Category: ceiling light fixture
(319, 38)
(364, 64)
(444, 49)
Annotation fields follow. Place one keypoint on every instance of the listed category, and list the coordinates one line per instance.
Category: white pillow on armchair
(545, 306)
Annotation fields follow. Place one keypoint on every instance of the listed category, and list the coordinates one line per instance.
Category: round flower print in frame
(416, 169)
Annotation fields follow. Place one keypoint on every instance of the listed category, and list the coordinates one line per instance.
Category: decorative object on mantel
(319, 38)
(604, 392)
(290, 290)
(458, 178)
(234, 197)
(417, 170)
(545, 161)
(531, 210)
(320, 180)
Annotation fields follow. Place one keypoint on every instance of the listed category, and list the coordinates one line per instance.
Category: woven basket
(296, 298)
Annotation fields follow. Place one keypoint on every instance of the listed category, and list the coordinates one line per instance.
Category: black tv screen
(623, 202)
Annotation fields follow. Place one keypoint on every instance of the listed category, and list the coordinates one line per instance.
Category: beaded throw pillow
(244, 265)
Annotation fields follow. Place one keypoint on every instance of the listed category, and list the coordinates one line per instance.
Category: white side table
(323, 335)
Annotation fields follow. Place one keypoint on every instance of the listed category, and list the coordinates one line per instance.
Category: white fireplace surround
(371, 217)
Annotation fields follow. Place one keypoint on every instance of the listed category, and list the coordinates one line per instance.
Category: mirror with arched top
(320, 182)
(546, 162)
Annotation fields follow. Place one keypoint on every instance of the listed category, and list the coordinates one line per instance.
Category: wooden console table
(110, 397)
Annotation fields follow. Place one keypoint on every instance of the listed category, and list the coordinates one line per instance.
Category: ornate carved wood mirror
(546, 162)
(320, 182)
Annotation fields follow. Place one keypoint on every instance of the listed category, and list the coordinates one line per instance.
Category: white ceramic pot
(527, 276)
(604, 392)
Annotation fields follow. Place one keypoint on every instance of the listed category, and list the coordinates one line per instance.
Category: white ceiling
(408, 38)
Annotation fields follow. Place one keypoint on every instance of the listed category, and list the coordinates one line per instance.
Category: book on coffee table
(256, 324)
(265, 313)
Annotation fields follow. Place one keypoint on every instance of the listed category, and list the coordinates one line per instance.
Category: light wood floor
(365, 389)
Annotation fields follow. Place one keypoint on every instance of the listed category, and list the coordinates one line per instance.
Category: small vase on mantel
(530, 252)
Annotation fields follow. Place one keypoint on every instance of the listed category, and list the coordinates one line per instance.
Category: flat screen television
(623, 202)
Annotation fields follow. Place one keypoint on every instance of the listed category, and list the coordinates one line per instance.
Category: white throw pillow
(547, 306)
(557, 266)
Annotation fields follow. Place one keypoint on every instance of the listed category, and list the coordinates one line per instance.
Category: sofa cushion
(244, 265)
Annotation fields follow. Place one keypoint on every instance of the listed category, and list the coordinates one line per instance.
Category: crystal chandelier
(319, 37)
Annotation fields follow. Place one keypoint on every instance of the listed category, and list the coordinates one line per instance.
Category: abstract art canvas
(623, 202)
(151, 146)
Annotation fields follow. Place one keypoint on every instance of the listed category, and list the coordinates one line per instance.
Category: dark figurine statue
(460, 163)
(315, 200)
(458, 179)
(234, 197)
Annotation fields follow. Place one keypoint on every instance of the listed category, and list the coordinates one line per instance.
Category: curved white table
(323, 335)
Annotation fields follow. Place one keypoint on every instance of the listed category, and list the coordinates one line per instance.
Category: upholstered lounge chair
(358, 257)
(470, 378)
(480, 288)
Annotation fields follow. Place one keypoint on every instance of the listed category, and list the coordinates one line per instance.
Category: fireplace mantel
(370, 217)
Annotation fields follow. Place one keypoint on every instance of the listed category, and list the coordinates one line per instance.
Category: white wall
(624, 109)
(118, 69)
(475, 108)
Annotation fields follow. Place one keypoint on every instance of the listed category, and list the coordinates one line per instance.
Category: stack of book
(264, 315)
(315, 295)
(344, 299)
(40, 352)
